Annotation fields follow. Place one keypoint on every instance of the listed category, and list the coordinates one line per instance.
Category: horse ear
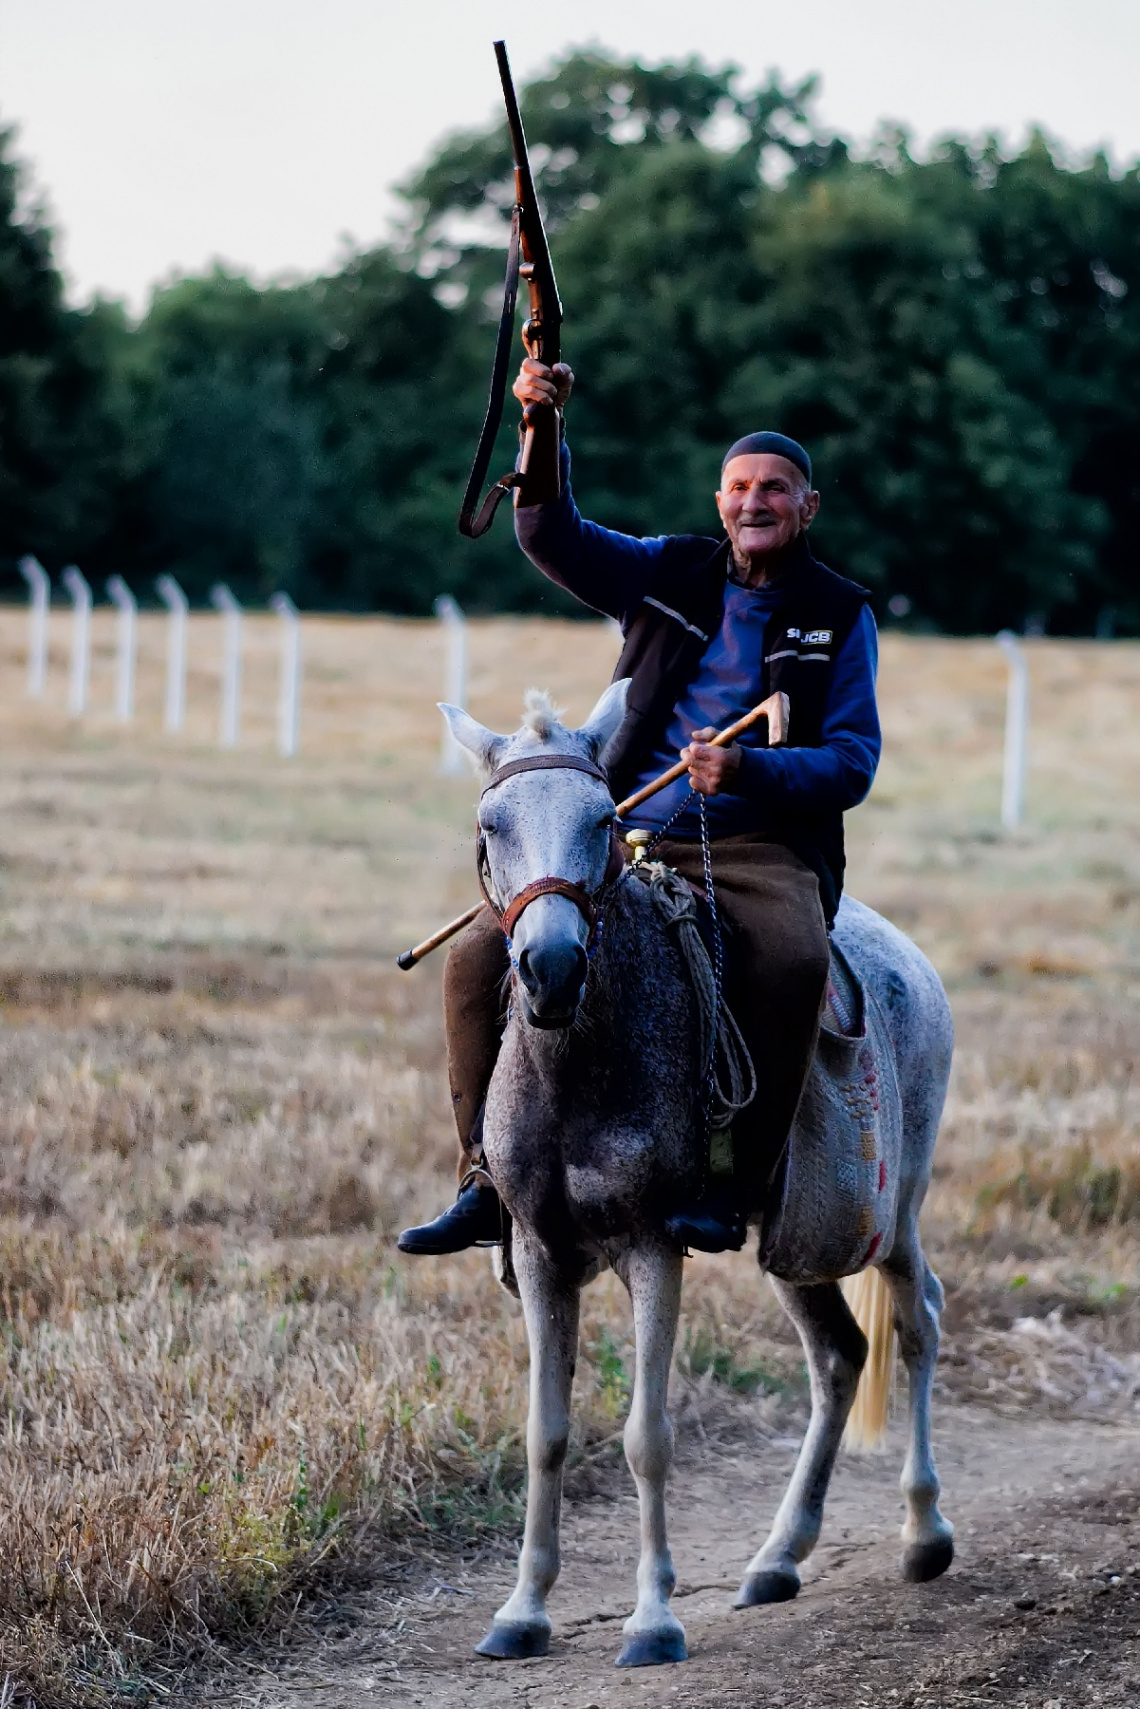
(482, 744)
(606, 717)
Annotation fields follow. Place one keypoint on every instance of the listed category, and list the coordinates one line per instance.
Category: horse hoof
(653, 1649)
(514, 1642)
(923, 1561)
(759, 1589)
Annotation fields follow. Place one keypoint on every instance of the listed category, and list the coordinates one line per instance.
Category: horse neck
(637, 1011)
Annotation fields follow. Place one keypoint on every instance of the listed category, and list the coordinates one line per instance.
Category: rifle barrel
(536, 250)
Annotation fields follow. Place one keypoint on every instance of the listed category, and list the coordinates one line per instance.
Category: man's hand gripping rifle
(536, 480)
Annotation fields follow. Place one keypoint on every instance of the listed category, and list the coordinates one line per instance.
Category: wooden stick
(411, 956)
(774, 709)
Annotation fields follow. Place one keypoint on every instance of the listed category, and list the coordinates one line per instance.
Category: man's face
(764, 503)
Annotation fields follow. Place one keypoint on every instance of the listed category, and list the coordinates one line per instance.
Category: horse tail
(869, 1300)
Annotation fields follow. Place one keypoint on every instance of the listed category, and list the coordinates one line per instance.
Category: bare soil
(1041, 1607)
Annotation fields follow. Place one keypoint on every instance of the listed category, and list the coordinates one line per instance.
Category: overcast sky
(263, 132)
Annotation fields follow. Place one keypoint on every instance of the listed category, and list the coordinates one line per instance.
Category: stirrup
(480, 1175)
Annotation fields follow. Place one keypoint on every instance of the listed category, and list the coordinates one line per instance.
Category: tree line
(955, 338)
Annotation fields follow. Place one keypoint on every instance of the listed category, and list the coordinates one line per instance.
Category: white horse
(593, 1133)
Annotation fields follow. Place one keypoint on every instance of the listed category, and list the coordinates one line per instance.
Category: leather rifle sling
(471, 524)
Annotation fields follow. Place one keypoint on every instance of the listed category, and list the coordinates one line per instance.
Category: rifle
(537, 478)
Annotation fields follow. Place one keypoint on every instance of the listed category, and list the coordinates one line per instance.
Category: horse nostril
(554, 974)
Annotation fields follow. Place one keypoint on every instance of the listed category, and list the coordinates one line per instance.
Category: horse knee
(648, 1446)
(548, 1451)
(547, 1442)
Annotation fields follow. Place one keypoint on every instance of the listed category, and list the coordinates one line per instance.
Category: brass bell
(638, 841)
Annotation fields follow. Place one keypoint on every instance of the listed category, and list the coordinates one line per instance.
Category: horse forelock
(540, 714)
(541, 731)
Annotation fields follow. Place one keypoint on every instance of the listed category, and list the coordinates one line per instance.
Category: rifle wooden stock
(775, 709)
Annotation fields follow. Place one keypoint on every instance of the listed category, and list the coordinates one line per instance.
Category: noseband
(587, 903)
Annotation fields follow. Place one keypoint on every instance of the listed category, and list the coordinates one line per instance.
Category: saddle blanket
(834, 1204)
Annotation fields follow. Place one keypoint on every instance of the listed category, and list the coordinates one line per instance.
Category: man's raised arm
(608, 571)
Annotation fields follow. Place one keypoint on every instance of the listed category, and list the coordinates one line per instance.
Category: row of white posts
(451, 762)
(174, 708)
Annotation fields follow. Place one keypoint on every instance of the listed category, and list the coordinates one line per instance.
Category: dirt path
(1041, 1609)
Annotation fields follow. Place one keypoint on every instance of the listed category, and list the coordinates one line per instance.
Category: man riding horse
(711, 628)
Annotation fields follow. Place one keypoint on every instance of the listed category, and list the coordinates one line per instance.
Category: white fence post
(452, 762)
(223, 600)
(126, 605)
(80, 594)
(1016, 724)
(289, 689)
(39, 591)
(175, 601)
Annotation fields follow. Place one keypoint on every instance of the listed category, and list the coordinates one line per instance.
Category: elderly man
(711, 628)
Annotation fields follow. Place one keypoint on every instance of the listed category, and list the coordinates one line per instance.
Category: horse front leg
(836, 1349)
(521, 1627)
(917, 1296)
(653, 1634)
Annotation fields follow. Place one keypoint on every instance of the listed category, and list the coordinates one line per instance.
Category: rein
(589, 904)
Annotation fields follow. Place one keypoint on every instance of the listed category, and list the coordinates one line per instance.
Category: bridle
(588, 903)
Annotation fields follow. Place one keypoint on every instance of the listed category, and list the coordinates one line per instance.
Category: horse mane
(540, 715)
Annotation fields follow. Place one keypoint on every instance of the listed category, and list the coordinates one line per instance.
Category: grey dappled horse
(593, 1130)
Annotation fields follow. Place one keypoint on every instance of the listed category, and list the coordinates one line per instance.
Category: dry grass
(220, 1100)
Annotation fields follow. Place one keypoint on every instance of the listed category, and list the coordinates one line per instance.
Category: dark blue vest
(666, 641)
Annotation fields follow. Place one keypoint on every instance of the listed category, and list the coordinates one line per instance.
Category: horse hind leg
(521, 1627)
(836, 1350)
(653, 1634)
(917, 1296)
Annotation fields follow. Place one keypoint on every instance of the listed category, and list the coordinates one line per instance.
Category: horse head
(545, 843)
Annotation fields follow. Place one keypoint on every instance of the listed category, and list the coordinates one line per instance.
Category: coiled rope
(730, 1077)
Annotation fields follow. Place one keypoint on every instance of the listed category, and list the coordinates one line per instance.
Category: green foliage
(610, 1373)
(953, 339)
(59, 451)
(704, 1354)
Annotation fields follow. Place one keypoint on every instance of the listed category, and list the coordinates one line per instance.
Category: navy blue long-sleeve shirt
(612, 573)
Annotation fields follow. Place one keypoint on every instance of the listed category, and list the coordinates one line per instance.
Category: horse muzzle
(551, 962)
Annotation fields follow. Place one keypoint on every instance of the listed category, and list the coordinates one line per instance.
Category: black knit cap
(772, 445)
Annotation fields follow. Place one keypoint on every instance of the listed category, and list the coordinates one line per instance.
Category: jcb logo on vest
(812, 637)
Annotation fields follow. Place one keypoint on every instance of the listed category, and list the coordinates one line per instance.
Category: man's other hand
(711, 770)
(538, 384)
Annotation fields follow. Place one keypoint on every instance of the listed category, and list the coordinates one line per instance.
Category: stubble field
(228, 1405)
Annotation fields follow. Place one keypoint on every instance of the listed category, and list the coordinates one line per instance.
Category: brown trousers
(777, 985)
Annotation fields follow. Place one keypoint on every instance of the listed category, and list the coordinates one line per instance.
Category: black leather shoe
(713, 1225)
(476, 1218)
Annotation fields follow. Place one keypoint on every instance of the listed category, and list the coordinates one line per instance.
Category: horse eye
(605, 822)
